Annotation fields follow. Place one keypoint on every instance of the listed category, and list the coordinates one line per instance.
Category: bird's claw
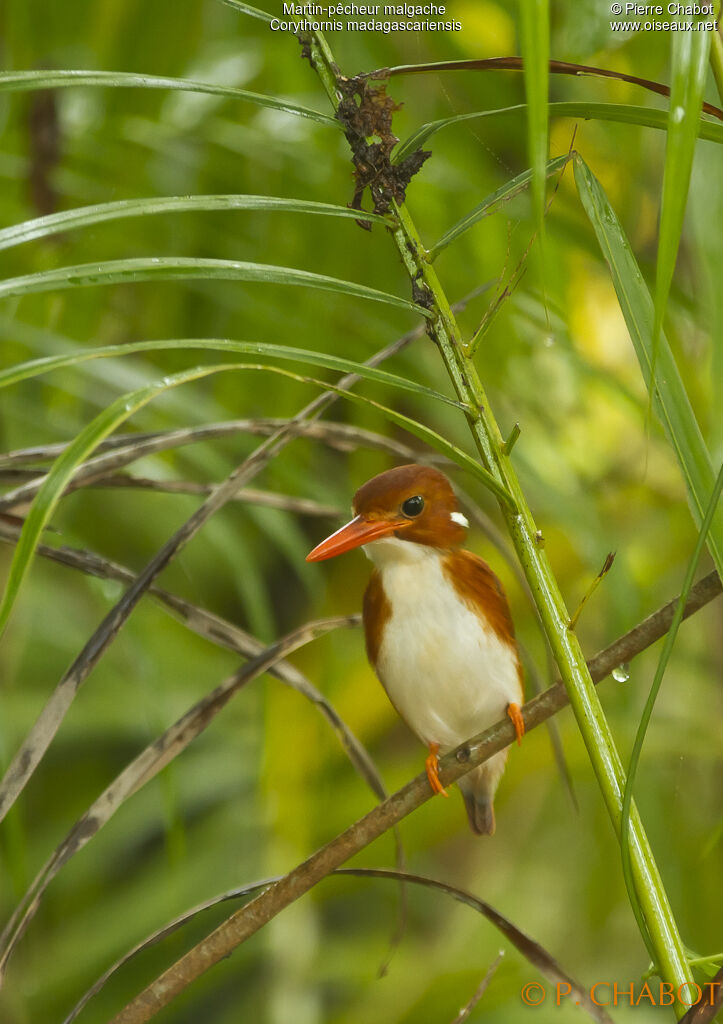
(515, 716)
(432, 765)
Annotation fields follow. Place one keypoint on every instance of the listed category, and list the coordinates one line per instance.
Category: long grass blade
(153, 759)
(556, 67)
(489, 205)
(625, 113)
(172, 268)
(25, 81)
(40, 736)
(82, 474)
(434, 440)
(54, 484)
(530, 949)
(85, 216)
(670, 399)
(45, 364)
(689, 52)
(648, 711)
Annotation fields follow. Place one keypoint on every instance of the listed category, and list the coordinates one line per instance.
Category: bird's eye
(412, 507)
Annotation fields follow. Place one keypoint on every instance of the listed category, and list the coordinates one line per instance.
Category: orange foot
(432, 765)
(515, 716)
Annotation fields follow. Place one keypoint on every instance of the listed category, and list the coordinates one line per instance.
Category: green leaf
(689, 64)
(535, 43)
(172, 268)
(59, 475)
(84, 216)
(489, 205)
(623, 112)
(253, 12)
(648, 711)
(670, 399)
(36, 367)
(23, 81)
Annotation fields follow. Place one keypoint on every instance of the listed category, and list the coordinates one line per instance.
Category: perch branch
(247, 921)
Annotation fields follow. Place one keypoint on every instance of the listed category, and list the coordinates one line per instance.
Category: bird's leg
(432, 765)
(515, 716)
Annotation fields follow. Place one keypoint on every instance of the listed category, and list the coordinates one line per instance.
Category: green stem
(666, 946)
(653, 696)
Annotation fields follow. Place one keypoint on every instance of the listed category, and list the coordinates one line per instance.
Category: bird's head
(411, 503)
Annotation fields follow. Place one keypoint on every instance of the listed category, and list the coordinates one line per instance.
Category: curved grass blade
(432, 438)
(535, 42)
(622, 112)
(670, 399)
(648, 711)
(556, 67)
(168, 929)
(689, 52)
(84, 216)
(60, 474)
(531, 950)
(489, 205)
(172, 268)
(37, 367)
(40, 736)
(253, 12)
(24, 81)
(420, 430)
(153, 759)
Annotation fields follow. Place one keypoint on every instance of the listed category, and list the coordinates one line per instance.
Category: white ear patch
(458, 518)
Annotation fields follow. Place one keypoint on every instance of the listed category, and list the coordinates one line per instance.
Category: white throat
(392, 551)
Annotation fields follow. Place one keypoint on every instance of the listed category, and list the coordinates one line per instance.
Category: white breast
(446, 672)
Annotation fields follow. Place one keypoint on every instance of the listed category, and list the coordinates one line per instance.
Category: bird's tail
(481, 813)
(478, 789)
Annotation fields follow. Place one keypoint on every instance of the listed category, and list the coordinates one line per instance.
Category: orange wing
(376, 613)
(482, 591)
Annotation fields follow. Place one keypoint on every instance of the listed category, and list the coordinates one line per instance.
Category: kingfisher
(438, 629)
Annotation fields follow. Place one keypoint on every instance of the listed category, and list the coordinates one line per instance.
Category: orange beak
(359, 531)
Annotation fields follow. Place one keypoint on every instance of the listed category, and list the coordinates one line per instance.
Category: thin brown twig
(248, 920)
(344, 436)
(248, 496)
(466, 1010)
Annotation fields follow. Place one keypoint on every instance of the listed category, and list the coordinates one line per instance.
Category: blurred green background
(268, 782)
